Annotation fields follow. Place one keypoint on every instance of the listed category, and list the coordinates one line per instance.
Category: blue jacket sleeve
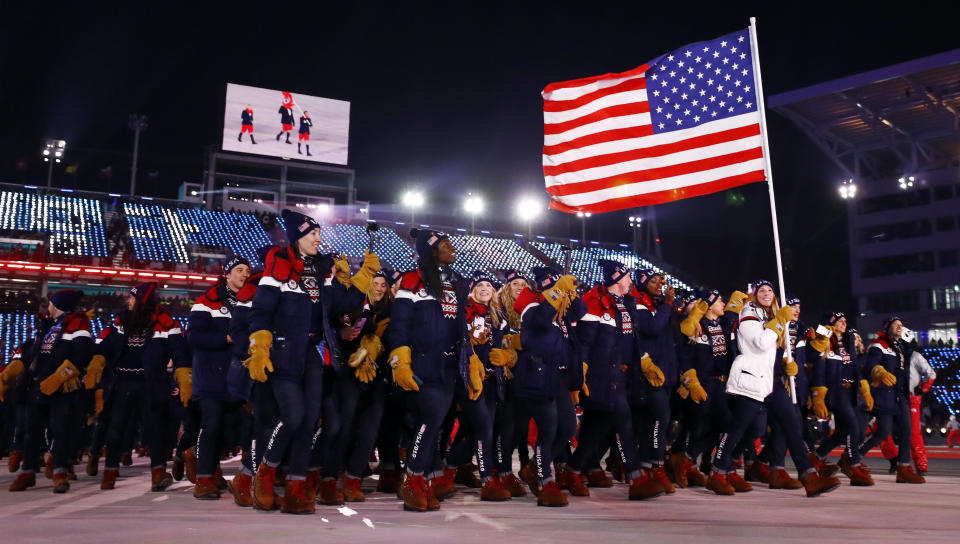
(202, 334)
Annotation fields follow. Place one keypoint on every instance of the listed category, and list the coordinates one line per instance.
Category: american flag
(685, 124)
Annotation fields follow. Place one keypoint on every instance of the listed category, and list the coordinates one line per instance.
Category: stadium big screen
(285, 124)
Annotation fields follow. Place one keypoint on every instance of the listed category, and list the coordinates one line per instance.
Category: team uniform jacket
(837, 369)
(144, 356)
(286, 115)
(67, 337)
(712, 353)
(239, 382)
(305, 124)
(207, 334)
(246, 118)
(890, 354)
(295, 308)
(432, 328)
(477, 316)
(551, 356)
(753, 370)
(655, 337)
(607, 340)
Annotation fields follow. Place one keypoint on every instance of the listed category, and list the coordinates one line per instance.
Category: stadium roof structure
(898, 119)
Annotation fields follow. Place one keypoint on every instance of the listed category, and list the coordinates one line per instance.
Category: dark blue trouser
(556, 423)
(651, 416)
(363, 437)
(392, 425)
(192, 420)
(505, 430)
(885, 425)
(430, 404)
(210, 439)
(712, 416)
(341, 395)
(744, 411)
(54, 414)
(476, 422)
(264, 420)
(598, 422)
(299, 404)
(126, 399)
(848, 430)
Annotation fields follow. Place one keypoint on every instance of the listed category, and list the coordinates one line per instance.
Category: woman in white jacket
(758, 377)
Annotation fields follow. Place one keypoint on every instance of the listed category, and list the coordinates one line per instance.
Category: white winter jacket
(751, 374)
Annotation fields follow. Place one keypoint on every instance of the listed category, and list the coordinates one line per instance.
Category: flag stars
(683, 96)
(709, 64)
(672, 73)
(744, 72)
(676, 106)
(749, 104)
(693, 86)
(699, 75)
(661, 125)
(687, 54)
(653, 77)
(669, 116)
(739, 99)
(694, 103)
(716, 54)
(710, 81)
(683, 79)
(735, 66)
(746, 89)
(663, 67)
(730, 109)
(673, 90)
(679, 121)
(723, 103)
(686, 112)
(713, 114)
(706, 48)
(690, 70)
(666, 100)
(737, 83)
(656, 92)
(725, 60)
(696, 118)
(663, 83)
(743, 56)
(717, 71)
(659, 109)
(704, 108)
(723, 43)
(670, 57)
(726, 77)
(713, 98)
(680, 64)
(697, 59)
(703, 92)
(733, 49)
(729, 94)
(719, 88)
(740, 39)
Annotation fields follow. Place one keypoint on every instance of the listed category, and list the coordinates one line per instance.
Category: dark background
(444, 98)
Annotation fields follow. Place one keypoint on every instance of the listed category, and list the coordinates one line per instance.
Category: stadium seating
(75, 225)
(15, 327)
(353, 240)
(490, 255)
(584, 262)
(946, 362)
(162, 234)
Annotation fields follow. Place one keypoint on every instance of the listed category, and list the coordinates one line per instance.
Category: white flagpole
(768, 172)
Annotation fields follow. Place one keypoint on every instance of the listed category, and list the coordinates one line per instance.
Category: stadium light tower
(412, 200)
(528, 209)
(52, 152)
(137, 123)
(583, 226)
(636, 222)
(473, 205)
(847, 189)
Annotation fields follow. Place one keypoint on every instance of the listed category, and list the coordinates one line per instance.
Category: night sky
(446, 99)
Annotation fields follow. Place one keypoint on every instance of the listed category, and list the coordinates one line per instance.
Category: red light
(179, 277)
(55, 268)
(159, 275)
(91, 270)
(32, 267)
(126, 273)
(196, 277)
(72, 269)
(658, 240)
(145, 274)
(108, 272)
(14, 266)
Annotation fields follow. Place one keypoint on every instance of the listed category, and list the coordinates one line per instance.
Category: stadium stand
(946, 362)
(15, 327)
(75, 225)
(353, 240)
(584, 262)
(490, 255)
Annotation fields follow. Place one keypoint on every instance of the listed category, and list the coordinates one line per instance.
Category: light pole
(137, 123)
(635, 223)
(583, 226)
(412, 200)
(527, 210)
(52, 153)
(848, 189)
(473, 205)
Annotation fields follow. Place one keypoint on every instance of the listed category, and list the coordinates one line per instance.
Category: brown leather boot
(615, 466)
(739, 484)
(817, 485)
(575, 485)
(645, 486)
(23, 481)
(48, 466)
(677, 463)
(598, 478)
(718, 484)
(757, 472)
(93, 464)
(414, 491)
(297, 499)
(529, 475)
(160, 479)
(241, 486)
(313, 483)
(551, 495)
(466, 477)
(352, 491)
(824, 469)
(906, 475)
(846, 467)
(389, 480)
(493, 490)
(660, 473)
(264, 497)
(860, 476)
(206, 489)
(109, 480)
(190, 465)
(13, 463)
(442, 486)
(780, 479)
(219, 480)
(695, 478)
(329, 495)
(176, 469)
(60, 483)
(513, 484)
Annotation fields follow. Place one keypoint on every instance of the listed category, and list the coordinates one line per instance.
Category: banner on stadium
(286, 125)
(685, 124)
